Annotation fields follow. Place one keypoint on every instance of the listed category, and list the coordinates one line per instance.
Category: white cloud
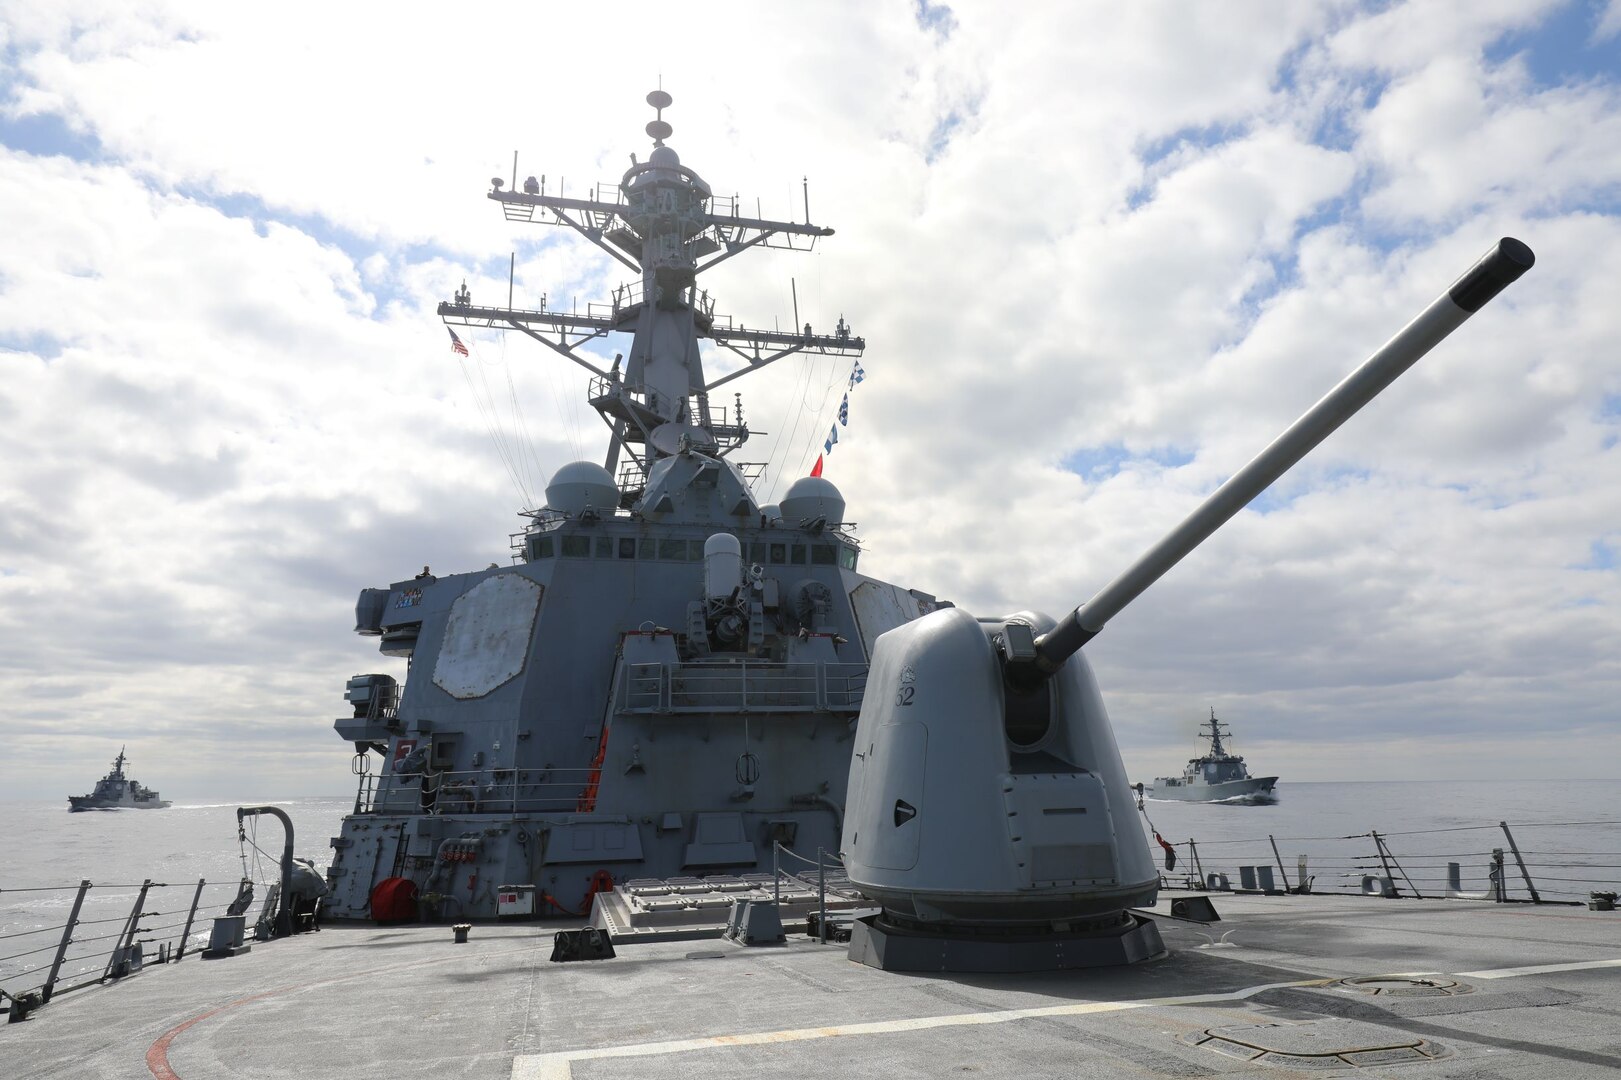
(1146, 230)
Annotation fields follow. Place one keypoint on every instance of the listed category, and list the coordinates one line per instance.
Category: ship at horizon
(116, 791)
(1217, 776)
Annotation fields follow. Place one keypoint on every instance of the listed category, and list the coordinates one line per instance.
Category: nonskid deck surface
(1482, 991)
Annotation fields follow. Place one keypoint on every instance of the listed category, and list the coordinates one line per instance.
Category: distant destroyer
(115, 791)
(1217, 776)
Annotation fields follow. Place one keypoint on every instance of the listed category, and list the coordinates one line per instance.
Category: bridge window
(541, 546)
(798, 555)
(646, 548)
(627, 547)
(605, 547)
(576, 547)
(674, 550)
(779, 554)
(822, 555)
(847, 557)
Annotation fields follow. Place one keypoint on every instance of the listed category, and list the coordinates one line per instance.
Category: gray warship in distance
(665, 681)
(1217, 776)
(115, 791)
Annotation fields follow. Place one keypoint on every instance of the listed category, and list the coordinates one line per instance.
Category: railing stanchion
(67, 939)
(1526, 874)
(776, 872)
(1279, 858)
(821, 896)
(131, 925)
(1198, 868)
(1384, 860)
(185, 935)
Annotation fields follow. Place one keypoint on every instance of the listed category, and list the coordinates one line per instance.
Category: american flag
(456, 342)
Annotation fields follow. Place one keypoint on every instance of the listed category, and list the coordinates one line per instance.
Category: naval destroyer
(115, 791)
(664, 681)
(702, 715)
(1217, 776)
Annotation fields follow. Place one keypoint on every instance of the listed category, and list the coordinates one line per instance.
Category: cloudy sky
(1100, 252)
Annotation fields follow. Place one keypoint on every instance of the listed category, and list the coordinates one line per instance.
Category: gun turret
(1495, 271)
(989, 812)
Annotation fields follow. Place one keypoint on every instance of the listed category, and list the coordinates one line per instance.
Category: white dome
(664, 157)
(812, 497)
(580, 484)
(771, 512)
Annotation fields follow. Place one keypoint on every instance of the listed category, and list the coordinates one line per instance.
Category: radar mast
(663, 221)
(1216, 732)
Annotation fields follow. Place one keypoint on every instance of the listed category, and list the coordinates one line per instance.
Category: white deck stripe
(557, 1066)
(1538, 969)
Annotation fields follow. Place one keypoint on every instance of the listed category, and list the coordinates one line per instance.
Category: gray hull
(1255, 790)
(87, 802)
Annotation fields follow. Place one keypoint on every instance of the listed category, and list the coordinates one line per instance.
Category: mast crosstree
(663, 221)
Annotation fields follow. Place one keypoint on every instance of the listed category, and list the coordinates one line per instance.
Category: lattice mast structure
(663, 221)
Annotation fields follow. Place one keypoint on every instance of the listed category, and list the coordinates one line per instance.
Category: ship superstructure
(1217, 776)
(665, 681)
(116, 791)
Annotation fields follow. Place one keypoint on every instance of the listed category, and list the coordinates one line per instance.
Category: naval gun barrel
(1495, 270)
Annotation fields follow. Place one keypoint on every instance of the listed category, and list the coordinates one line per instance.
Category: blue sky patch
(46, 135)
(935, 17)
(1600, 556)
(1102, 462)
(1560, 50)
(940, 137)
(43, 346)
(1196, 137)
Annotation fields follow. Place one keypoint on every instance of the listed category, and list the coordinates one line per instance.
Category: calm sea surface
(1569, 833)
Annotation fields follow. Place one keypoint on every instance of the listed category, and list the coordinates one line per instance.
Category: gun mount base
(882, 942)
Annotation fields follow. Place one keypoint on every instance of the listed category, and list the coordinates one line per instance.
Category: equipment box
(515, 901)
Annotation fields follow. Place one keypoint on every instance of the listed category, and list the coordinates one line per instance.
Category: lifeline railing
(57, 959)
(1462, 862)
(742, 685)
(825, 861)
(472, 791)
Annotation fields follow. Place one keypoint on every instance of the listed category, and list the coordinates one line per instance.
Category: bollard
(460, 930)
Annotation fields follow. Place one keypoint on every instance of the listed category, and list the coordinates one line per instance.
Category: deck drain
(1318, 1044)
(1407, 986)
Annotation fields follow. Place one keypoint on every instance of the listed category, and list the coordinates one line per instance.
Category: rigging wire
(509, 450)
(464, 364)
(822, 412)
(532, 466)
(785, 445)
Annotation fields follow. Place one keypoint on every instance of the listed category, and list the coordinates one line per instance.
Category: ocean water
(48, 851)
(1568, 832)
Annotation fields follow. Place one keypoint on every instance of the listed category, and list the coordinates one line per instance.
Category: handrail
(1560, 876)
(74, 966)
